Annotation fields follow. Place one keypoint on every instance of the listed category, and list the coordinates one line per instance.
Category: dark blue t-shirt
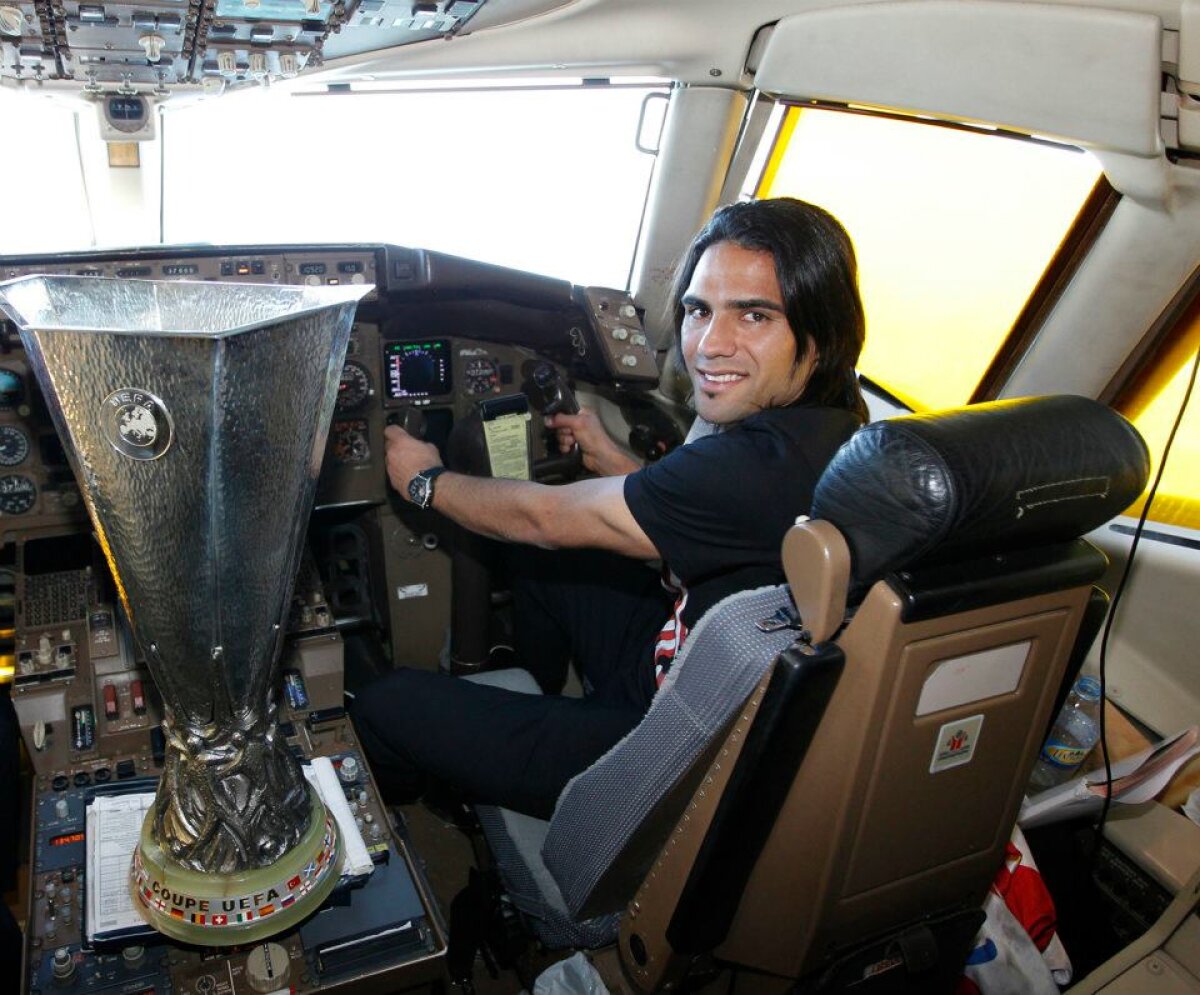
(717, 509)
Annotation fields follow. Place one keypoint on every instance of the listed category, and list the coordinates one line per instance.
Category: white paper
(114, 825)
(508, 445)
(321, 775)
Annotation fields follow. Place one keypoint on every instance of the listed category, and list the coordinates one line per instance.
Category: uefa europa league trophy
(195, 417)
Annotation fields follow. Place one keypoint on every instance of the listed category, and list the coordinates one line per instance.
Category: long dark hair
(818, 276)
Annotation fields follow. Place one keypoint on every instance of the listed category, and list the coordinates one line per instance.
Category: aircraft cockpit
(310, 222)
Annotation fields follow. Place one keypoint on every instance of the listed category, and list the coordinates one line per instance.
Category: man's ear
(811, 352)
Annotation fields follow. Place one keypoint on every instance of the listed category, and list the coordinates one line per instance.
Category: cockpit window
(953, 229)
(544, 178)
(1152, 403)
(42, 155)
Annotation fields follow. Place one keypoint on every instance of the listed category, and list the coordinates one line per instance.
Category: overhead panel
(154, 45)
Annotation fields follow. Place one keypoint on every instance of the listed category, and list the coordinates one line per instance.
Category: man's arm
(587, 513)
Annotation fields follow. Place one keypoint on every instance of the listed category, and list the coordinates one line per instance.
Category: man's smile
(713, 377)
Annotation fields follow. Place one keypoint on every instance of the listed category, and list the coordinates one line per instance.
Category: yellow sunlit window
(953, 230)
(1153, 412)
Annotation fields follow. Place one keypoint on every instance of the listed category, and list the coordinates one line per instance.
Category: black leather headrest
(977, 480)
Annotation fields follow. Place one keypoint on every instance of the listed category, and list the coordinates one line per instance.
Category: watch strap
(420, 488)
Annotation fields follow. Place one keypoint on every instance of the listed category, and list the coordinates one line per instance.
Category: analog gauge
(350, 441)
(14, 445)
(354, 387)
(481, 376)
(17, 494)
(12, 390)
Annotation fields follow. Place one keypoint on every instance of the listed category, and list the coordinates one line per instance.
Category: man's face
(737, 344)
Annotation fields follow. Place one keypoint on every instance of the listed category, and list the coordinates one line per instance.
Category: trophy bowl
(195, 417)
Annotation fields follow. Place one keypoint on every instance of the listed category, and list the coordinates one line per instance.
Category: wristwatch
(420, 488)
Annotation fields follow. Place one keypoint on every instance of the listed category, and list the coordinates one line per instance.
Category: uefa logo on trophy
(195, 417)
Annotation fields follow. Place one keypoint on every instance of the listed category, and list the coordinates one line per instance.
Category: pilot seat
(822, 791)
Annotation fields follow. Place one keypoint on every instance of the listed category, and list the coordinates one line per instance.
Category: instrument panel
(37, 487)
(253, 265)
(443, 378)
(437, 334)
(595, 333)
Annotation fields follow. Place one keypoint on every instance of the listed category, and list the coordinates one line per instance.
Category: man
(769, 326)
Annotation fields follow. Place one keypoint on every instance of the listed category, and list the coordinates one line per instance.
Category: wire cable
(1120, 589)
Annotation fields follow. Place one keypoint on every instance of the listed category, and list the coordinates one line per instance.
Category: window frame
(1168, 347)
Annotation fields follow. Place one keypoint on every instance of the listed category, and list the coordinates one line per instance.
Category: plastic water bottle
(1071, 740)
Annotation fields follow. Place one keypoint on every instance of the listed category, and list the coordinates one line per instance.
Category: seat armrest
(816, 561)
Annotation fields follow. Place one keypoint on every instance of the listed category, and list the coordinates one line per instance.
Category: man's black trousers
(501, 747)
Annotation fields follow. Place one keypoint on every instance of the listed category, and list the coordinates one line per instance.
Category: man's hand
(406, 457)
(600, 454)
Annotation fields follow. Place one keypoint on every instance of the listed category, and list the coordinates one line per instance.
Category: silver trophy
(195, 416)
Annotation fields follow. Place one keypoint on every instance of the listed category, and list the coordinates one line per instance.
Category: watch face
(418, 490)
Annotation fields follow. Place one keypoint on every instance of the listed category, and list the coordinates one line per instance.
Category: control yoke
(412, 420)
(556, 397)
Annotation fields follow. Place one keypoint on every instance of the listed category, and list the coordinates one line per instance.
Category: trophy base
(218, 910)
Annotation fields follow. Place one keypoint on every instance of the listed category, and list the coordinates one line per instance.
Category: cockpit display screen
(417, 369)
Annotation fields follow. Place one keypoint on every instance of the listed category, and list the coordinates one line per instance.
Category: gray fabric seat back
(572, 876)
(611, 820)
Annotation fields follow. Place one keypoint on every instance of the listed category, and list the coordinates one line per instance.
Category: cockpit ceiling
(117, 45)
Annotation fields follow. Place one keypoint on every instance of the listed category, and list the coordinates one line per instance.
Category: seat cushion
(511, 679)
(516, 843)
